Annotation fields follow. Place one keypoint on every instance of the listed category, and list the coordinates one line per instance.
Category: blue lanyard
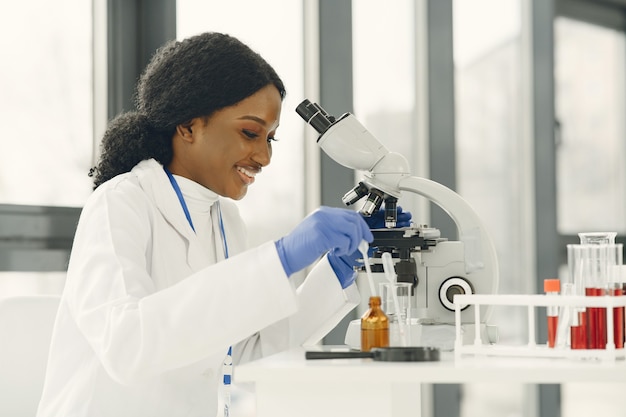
(179, 194)
(228, 362)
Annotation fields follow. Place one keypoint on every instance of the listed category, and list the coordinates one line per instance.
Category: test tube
(615, 288)
(591, 266)
(552, 287)
(594, 264)
(578, 315)
(600, 253)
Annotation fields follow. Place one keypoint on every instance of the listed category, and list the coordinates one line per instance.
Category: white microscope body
(438, 268)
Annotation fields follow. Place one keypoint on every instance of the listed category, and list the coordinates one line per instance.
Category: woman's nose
(263, 153)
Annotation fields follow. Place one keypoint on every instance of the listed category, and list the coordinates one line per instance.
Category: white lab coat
(144, 322)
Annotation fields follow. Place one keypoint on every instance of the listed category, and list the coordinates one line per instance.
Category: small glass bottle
(374, 326)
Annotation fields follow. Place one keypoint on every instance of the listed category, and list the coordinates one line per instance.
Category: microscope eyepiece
(315, 115)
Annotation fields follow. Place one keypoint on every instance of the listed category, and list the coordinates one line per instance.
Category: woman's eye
(250, 134)
(253, 135)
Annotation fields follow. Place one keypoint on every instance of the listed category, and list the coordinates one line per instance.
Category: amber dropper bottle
(374, 326)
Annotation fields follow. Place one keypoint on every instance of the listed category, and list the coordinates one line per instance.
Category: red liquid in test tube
(552, 287)
(596, 321)
(618, 321)
(578, 333)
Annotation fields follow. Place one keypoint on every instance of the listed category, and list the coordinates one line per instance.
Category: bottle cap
(375, 300)
(551, 285)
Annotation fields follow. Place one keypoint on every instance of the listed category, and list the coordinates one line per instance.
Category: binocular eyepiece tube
(315, 115)
(321, 121)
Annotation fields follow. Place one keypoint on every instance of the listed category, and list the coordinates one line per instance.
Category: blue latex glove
(344, 265)
(326, 229)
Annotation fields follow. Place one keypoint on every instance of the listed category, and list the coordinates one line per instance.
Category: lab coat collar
(155, 182)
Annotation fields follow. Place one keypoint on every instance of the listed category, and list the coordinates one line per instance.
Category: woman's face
(225, 152)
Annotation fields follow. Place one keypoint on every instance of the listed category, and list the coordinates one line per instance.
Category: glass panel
(46, 102)
(487, 88)
(589, 101)
(276, 201)
(383, 64)
(383, 75)
(487, 58)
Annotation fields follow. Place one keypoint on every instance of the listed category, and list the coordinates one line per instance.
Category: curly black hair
(184, 80)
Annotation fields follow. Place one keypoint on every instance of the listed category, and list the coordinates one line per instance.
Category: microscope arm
(480, 253)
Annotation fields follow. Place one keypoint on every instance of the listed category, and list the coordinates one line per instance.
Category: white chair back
(26, 323)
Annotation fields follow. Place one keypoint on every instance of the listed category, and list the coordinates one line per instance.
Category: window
(490, 172)
(488, 124)
(45, 102)
(589, 101)
(384, 77)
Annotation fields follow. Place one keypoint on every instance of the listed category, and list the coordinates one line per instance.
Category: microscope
(437, 268)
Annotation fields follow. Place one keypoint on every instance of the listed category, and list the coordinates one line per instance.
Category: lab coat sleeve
(137, 331)
(322, 304)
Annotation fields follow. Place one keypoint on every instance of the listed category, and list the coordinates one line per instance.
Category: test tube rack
(532, 348)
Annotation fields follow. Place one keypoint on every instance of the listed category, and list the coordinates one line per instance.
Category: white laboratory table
(286, 384)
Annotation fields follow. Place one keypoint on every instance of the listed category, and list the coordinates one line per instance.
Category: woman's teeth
(246, 172)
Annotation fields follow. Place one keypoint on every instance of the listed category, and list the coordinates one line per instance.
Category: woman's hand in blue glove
(344, 265)
(326, 229)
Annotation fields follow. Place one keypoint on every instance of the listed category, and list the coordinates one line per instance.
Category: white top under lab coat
(147, 314)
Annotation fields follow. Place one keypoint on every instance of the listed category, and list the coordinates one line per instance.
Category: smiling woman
(161, 251)
(225, 151)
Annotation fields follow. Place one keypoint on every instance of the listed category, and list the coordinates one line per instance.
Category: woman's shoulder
(122, 190)
(139, 181)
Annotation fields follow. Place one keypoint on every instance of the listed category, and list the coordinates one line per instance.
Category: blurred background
(517, 105)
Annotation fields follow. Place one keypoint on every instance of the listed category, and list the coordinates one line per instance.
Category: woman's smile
(247, 174)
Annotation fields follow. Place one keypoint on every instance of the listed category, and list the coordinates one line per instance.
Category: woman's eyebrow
(254, 118)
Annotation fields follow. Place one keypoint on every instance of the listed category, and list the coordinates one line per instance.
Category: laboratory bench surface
(287, 383)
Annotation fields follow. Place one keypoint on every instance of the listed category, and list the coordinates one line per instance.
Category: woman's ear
(185, 131)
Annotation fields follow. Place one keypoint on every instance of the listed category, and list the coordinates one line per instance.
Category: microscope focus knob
(451, 287)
